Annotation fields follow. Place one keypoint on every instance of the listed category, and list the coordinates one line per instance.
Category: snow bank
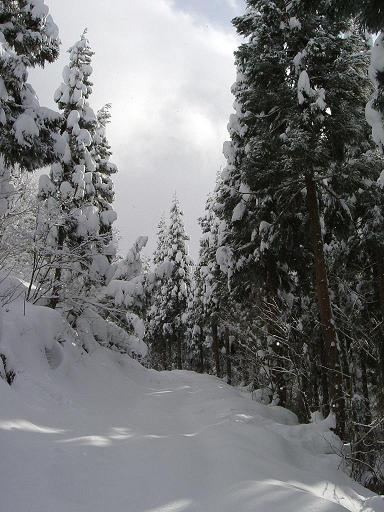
(34, 340)
(95, 432)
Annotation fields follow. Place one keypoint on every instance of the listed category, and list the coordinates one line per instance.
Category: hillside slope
(99, 433)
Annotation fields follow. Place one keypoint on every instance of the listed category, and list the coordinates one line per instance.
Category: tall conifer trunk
(332, 359)
(379, 267)
(215, 347)
(201, 351)
(228, 355)
(179, 358)
(58, 271)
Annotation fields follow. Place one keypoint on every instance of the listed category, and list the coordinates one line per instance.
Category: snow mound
(375, 504)
(95, 432)
(34, 341)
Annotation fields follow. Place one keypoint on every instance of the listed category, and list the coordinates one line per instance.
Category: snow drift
(96, 432)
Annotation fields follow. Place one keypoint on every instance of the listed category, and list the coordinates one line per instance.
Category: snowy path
(105, 435)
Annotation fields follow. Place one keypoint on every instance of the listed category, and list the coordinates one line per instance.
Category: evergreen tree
(160, 253)
(262, 240)
(28, 38)
(104, 190)
(375, 106)
(370, 14)
(328, 138)
(115, 317)
(217, 300)
(299, 96)
(175, 288)
(69, 193)
(154, 331)
(208, 294)
(198, 350)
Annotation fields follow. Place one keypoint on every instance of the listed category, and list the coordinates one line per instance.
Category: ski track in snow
(105, 435)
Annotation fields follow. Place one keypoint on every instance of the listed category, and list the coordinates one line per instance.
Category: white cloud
(233, 4)
(168, 78)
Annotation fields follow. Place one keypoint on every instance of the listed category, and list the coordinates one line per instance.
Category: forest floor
(99, 433)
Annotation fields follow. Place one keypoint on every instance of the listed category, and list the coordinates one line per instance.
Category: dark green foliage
(30, 39)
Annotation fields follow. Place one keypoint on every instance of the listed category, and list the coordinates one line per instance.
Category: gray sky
(167, 68)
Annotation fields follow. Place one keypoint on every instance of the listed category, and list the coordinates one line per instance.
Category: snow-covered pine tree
(154, 321)
(197, 349)
(202, 319)
(360, 275)
(345, 158)
(28, 38)
(259, 250)
(324, 140)
(370, 14)
(72, 217)
(290, 148)
(104, 189)
(160, 253)
(215, 297)
(176, 287)
(114, 318)
(124, 300)
(375, 107)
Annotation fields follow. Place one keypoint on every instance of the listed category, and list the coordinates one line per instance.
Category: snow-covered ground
(99, 433)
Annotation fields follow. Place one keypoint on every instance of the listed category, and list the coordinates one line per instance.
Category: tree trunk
(201, 350)
(228, 355)
(324, 379)
(379, 265)
(335, 380)
(163, 353)
(58, 271)
(169, 353)
(215, 347)
(179, 359)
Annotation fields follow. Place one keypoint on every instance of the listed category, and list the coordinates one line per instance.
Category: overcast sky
(167, 68)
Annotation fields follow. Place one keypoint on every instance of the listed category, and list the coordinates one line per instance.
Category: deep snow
(99, 433)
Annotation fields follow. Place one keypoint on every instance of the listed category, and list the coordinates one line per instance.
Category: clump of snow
(108, 217)
(239, 211)
(380, 179)
(264, 226)
(376, 122)
(305, 92)
(25, 128)
(245, 191)
(373, 115)
(224, 258)
(377, 59)
(294, 23)
(6, 187)
(3, 91)
(299, 59)
(304, 86)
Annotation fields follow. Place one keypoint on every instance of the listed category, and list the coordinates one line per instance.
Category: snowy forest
(269, 347)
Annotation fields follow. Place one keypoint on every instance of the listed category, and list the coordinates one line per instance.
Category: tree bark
(379, 265)
(58, 272)
(169, 362)
(215, 347)
(331, 352)
(228, 355)
(201, 351)
(179, 359)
